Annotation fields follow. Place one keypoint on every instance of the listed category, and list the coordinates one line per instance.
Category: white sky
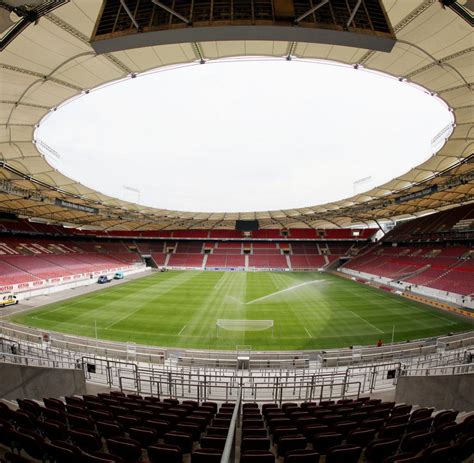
(244, 135)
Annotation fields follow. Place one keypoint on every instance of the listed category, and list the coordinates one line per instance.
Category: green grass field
(179, 309)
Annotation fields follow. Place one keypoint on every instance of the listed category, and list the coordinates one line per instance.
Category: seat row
(346, 430)
(126, 427)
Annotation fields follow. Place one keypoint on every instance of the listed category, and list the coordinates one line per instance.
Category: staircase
(204, 261)
(412, 274)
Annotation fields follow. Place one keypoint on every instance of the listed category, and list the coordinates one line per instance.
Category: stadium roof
(52, 61)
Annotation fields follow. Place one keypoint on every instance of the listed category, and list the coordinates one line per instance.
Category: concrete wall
(451, 391)
(20, 381)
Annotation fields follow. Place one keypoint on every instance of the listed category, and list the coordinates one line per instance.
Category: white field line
(123, 318)
(182, 329)
(364, 320)
(309, 334)
(291, 288)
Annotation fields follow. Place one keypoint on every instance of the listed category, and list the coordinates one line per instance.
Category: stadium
(236, 231)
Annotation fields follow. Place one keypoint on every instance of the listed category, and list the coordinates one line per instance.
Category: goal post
(243, 325)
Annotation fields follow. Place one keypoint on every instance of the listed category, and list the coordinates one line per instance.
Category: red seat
(128, 449)
(257, 456)
(165, 453)
(343, 454)
(204, 455)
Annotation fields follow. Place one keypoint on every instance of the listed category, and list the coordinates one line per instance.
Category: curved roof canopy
(53, 60)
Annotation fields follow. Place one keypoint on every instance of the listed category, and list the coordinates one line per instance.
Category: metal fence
(461, 369)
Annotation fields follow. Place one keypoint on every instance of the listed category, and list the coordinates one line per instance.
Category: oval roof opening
(245, 134)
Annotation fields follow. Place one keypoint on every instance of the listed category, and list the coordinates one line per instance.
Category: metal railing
(228, 454)
(461, 369)
(225, 391)
(220, 382)
(37, 362)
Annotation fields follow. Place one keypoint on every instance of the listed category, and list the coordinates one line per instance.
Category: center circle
(244, 135)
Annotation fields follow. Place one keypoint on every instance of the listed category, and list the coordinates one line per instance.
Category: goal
(243, 325)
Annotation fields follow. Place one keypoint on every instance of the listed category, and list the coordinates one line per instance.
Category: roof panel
(58, 48)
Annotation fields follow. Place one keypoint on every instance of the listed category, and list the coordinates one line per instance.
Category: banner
(76, 207)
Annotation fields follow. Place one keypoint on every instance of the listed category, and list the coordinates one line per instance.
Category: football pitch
(180, 309)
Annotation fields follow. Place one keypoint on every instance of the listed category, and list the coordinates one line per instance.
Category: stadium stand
(225, 260)
(186, 260)
(449, 269)
(449, 224)
(267, 261)
(127, 428)
(31, 251)
(431, 252)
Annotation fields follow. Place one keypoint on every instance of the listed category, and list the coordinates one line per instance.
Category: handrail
(459, 369)
(229, 448)
(26, 360)
(202, 390)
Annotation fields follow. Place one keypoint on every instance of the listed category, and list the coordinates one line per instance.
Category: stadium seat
(219, 431)
(144, 435)
(438, 453)
(324, 441)
(204, 455)
(343, 454)
(257, 456)
(128, 449)
(213, 442)
(253, 432)
(102, 457)
(63, 452)
(30, 442)
(109, 429)
(7, 434)
(288, 443)
(165, 453)
(53, 430)
(87, 441)
(379, 449)
(392, 432)
(302, 456)
(361, 437)
(416, 441)
(255, 443)
(183, 440)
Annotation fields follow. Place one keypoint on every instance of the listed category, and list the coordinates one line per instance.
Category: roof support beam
(312, 10)
(354, 12)
(171, 11)
(130, 15)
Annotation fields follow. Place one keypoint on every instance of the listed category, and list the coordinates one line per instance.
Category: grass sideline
(310, 310)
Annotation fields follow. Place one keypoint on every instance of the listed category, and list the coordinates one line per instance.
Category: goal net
(243, 325)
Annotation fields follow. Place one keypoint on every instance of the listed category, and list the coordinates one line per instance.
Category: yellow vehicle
(8, 299)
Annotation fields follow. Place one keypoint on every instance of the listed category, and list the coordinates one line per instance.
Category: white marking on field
(182, 329)
(363, 319)
(129, 314)
(291, 288)
(309, 334)
(234, 299)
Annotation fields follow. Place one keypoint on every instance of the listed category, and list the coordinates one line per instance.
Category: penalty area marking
(182, 329)
(363, 319)
(291, 288)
